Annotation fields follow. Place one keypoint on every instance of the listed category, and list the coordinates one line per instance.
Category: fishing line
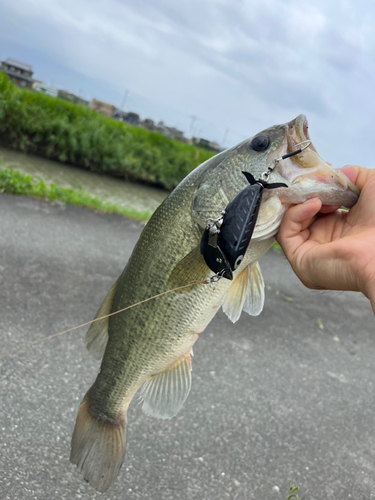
(103, 317)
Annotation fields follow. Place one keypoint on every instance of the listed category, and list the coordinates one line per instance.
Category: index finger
(294, 232)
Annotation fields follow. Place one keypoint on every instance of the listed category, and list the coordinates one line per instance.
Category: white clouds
(240, 64)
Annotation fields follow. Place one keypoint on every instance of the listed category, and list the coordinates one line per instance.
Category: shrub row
(71, 133)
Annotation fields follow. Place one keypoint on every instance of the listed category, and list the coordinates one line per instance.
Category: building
(68, 96)
(206, 144)
(102, 107)
(120, 115)
(148, 123)
(128, 117)
(133, 118)
(174, 133)
(20, 73)
(41, 87)
(171, 132)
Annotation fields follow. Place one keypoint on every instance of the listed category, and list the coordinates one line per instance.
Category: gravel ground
(286, 395)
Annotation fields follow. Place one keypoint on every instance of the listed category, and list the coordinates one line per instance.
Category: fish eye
(260, 143)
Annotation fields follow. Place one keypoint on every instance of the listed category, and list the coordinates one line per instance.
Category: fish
(147, 349)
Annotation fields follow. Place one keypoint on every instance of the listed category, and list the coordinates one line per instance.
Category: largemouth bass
(148, 348)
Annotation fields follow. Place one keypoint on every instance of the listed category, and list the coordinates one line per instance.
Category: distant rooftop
(18, 64)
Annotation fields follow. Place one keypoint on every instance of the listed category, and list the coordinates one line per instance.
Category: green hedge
(71, 133)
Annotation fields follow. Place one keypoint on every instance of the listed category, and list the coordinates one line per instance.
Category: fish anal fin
(98, 447)
(164, 394)
(191, 268)
(245, 293)
(97, 335)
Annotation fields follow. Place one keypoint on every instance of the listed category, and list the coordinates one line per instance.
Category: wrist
(365, 279)
(368, 289)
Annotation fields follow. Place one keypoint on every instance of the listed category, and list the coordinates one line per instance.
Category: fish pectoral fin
(236, 295)
(97, 335)
(245, 293)
(254, 301)
(190, 268)
(164, 394)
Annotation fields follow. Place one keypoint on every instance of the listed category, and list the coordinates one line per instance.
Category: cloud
(242, 65)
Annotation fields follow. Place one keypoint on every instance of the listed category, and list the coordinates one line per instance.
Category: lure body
(238, 225)
(224, 251)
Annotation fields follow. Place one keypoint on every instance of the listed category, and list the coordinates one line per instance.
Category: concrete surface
(274, 398)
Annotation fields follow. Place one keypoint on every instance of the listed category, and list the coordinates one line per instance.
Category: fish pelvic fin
(164, 394)
(97, 335)
(245, 293)
(191, 268)
(98, 447)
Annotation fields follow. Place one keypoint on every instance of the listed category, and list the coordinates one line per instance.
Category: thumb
(358, 175)
(294, 230)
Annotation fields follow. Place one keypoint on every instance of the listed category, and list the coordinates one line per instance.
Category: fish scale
(155, 320)
(148, 348)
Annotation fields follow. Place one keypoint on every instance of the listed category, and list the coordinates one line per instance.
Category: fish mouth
(309, 165)
(307, 176)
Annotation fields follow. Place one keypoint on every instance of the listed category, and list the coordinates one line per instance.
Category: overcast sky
(236, 65)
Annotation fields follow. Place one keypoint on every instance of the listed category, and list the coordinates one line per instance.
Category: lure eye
(260, 143)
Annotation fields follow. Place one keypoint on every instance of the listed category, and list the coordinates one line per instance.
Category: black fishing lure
(226, 239)
(224, 250)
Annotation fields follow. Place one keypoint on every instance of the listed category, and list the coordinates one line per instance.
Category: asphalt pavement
(288, 395)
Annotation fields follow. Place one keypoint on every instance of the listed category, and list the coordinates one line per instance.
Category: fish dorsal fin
(97, 335)
(245, 293)
(164, 394)
(191, 268)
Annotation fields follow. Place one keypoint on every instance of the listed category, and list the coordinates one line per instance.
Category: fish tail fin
(98, 447)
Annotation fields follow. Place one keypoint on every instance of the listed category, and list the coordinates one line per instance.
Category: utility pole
(124, 99)
(193, 120)
(225, 136)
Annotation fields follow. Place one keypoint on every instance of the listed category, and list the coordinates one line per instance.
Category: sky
(219, 69)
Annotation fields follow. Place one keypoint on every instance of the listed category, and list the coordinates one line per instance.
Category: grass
(71, 133)
(292, 491)
(276, 247)
(13, 182)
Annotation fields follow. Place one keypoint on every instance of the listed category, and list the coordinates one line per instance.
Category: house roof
(20, 65)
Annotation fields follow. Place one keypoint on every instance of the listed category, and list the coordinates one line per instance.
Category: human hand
(334, 249)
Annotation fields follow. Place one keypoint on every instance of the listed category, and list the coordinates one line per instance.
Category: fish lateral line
(206, 282)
